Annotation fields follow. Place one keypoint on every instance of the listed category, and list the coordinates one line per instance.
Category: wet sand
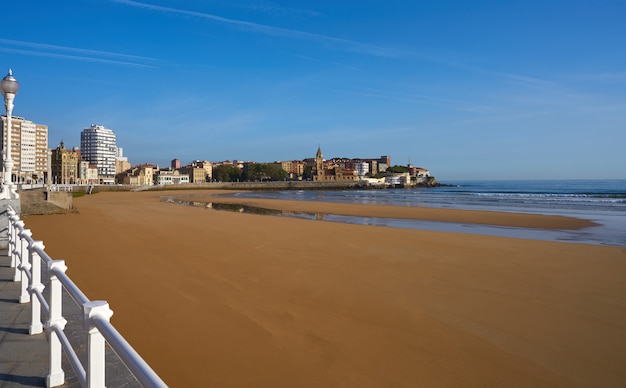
(520, 220)
(216, 298)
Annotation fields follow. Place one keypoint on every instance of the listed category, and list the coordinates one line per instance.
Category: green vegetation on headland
(254, 172)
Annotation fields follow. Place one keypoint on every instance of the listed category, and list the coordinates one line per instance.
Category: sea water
(600, 201)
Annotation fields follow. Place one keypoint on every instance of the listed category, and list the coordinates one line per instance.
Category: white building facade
(29, 149)
(165, 177)
(98, 147)
(362, 169)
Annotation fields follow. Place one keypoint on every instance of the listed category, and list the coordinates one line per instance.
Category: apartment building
(362, 168)
(285, 166)
(64, 165)
(121, 162)
(98, 147)
(29, 149)
(195, 174)
(87, 174)
(294, 168)
(122, 165)
(168, 177)
(207, 166)
(384, 162)
(142, 175)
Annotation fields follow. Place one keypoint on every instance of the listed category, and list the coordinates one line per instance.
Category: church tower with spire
(319, 166)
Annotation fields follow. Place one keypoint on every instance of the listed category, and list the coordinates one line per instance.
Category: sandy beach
(225, 299)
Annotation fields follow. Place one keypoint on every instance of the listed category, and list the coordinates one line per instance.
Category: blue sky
(467, 89)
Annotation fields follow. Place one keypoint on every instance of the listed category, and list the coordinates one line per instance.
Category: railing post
(14, 240)
(12, 236)
(24, 265)
(36, 326)
(56, 374)
(97, 309)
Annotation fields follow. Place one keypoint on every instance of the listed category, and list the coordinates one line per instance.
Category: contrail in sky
(74, 53)
(270, 30)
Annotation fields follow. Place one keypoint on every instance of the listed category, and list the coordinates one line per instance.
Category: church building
(324, 173)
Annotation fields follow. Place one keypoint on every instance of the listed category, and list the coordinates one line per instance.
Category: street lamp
(9, 87)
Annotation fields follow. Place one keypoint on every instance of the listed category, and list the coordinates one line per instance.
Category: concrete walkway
(24, 358)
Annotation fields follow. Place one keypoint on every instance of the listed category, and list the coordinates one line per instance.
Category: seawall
(40, 201)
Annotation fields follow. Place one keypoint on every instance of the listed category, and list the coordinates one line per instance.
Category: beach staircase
(32, 283)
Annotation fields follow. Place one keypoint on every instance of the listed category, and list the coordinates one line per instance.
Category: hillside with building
(100, 161)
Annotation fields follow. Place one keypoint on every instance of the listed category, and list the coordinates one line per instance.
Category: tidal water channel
(592, 235)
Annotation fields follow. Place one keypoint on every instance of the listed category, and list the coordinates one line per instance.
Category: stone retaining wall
(39, 201)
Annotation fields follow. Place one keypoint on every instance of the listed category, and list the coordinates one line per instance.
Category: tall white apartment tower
(97, 146)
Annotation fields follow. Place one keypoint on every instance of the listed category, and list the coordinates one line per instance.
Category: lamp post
(9, 87)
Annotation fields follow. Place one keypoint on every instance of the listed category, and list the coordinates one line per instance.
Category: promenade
(24, 358)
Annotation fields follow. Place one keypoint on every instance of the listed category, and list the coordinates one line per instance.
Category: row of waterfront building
(94, 162)
(99, 160)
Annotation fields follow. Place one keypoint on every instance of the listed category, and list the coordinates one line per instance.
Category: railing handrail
(72, 289)
(27, 255)
(137, 365)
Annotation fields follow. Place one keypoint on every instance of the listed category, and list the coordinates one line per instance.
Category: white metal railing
(61, 187)
(27, 256)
